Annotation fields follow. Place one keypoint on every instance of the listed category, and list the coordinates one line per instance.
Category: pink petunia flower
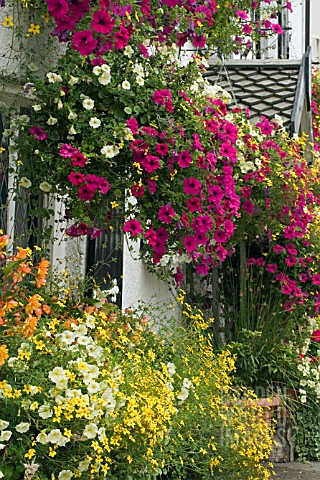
(76, 178)
(190, 243)
(166, 213)
(38, 133)
(86, 192)
(133, 227)
(102, 22)
(84, 42)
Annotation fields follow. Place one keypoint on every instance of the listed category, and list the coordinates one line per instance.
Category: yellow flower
(30, 453)
(8, 22)
(114, 204)
(35, 29)
(2, 149)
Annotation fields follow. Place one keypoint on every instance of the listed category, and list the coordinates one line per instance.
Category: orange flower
(42, 272)
(46, 309)
(33, 305)
(29, 326)
(22, 253)
(3, 354)
(4, 241)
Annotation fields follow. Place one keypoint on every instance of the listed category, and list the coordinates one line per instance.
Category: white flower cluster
(104, 74)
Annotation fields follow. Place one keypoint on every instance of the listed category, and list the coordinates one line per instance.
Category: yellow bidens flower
(35, 29)
(8, 22)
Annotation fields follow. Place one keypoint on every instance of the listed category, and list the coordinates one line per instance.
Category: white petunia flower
(171, 369)
(53, 77)
(94, 122)
(65, 475)
(5, 435)
(128, 51)
(105, 68)
(57, 375)
(96, 70)
(105, 78)
(109, 151)
(25, 182)
(126, 85)
(37, 108)
(52, 121)
(90, 431)
(45, 187)
(72, 131)
(3, 424)
(72, 116)
(140, 80)
(23, 427)
(44, 411)
(88, 104)
(42, 438)
(73, 80)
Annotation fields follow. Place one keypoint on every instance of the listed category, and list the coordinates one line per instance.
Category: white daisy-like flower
(23, 427)
(88, 104)
(94, 122)
(57, 374)
(128, 51)
(105, 78)
(45, 187)
(139, 80)
(126, 85)
(25, 182)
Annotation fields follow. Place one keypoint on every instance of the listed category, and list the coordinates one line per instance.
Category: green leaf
(128, 110)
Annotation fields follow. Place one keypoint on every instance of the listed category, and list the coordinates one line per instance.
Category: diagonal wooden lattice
(266, 88)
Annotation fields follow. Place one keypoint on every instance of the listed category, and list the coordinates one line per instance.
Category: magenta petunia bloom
(220, 236)
(291, 261)
(76, 178)
(67, 150)
(86, 192)
(166, 213)
(95, 232)
(102, 22)
(137, 190)
(150, 163)
(199, 41)
(58, 8)
(121, 38)
(133, 125)
(162, 149)
(316, 279)
(190, 243)
(272, 267)
(103, 185)
(192, 186)
(202, 223)
(162, 234)
(194, 205)
(316, 336)
(286, 289)
(278, 248)
(84, 42)
(133, 227)
(78, 159)
(151, 236)
(184, 159)
(248, 207)
(152, 185)
(38, 133)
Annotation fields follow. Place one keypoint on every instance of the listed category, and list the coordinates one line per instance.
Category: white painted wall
(315, 30)
(138, 283)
